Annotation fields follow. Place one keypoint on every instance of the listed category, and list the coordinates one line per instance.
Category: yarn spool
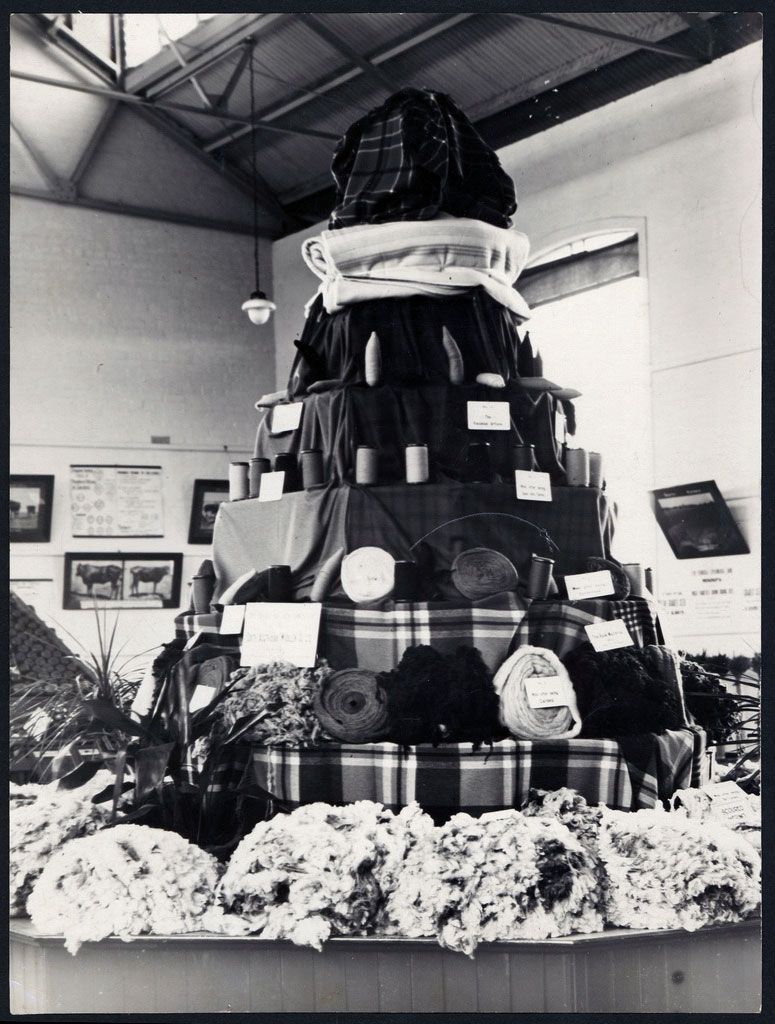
(373, 361)
(577, 467)
(480, 572)
(368, 575)
(417, 469)
(352, 706)
(312, 468)
(540, 578)
(366, 465)
(238, 481)
(279, 583)
(454, 358)
(256, 469)
(287, 463)
(595, 469)
(636, 576)
(516, 714)
(523, 456)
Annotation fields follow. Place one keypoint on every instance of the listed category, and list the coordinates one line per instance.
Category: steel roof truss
(372, 72)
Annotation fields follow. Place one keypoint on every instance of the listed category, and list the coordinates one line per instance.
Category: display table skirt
(714, 970)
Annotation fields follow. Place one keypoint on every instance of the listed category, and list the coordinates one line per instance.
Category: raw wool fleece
(499, 877)
(41, 820)
(439, 698)
(125, 881)
(320, 870)
(622, 693)
(665, 871)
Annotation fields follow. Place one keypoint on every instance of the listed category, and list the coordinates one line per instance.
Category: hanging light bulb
(258, 307)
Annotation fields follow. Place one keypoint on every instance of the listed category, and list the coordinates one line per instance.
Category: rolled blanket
(352, 706)
(513, 685)
(449, 256)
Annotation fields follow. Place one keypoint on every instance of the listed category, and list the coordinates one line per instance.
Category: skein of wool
(512, 684)
(352, 706)
(456, 368)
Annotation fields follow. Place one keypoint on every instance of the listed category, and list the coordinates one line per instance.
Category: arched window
(589, 322)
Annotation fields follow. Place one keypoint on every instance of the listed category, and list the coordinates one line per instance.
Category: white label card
(272, 486)
(589, 584)
(201, 697)
(233, 617)
(286, 417)
(607, 636)
(280, 631)
(546, 692)
(729, 803)
(489, 416)
(532, 485)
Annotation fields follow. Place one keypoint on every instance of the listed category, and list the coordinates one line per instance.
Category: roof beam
(372, 72)
(236, 74)
(60, 188)
(644, 44)
(91, 147)
(318, 88)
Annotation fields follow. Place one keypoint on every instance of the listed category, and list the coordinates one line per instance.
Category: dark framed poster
(696, 521)
(31, 498)
(208, 495)
(100, 579)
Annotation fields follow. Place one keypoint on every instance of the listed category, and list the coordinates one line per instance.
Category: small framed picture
(697, 522)
(208, 495)
(30, 508)
(122, 580)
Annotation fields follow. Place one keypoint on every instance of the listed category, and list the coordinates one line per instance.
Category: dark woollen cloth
(414, 157)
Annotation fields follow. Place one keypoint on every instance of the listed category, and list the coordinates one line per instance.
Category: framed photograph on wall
(208, 495)
(31, 498)
(99, 579)
(697, 522)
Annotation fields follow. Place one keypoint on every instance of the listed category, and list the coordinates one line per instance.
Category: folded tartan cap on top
(414, 157)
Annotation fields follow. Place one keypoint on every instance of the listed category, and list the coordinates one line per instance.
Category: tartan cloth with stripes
(627, 773)
(415, 156)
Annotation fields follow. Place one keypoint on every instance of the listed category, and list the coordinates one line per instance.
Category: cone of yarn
(456, 368)
(373, 361)
(523, 721)
(368, 575)
(352, 706)
(326, 576)
(480, 572)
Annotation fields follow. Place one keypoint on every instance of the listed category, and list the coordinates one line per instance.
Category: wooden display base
(714, 970)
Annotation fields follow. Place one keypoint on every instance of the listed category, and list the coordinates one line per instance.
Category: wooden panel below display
(715, 970)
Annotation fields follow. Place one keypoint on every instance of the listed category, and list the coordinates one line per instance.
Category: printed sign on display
(271, 488)
(280, 631)
(729, 803)
(607, 636)
(489, 416)
(286, 417)
(532, 485)
(546, 692)
(584, 585)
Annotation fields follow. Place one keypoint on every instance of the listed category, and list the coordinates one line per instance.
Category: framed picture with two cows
(122, 580)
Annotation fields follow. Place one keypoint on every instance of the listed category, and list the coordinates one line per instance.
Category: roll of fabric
(524, 721)
(480, 572)
(352, 706)
(368, 575)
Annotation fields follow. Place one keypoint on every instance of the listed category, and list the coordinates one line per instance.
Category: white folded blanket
(444, 256)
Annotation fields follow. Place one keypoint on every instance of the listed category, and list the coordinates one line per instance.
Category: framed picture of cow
(122, 580)
(30, 508)
(208, 495)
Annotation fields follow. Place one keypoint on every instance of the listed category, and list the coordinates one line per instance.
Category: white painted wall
(683, 160)
(124, 328)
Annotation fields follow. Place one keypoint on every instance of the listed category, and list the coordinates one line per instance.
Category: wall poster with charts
(116, 501)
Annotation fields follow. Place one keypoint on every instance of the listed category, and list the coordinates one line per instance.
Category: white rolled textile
(522, 720)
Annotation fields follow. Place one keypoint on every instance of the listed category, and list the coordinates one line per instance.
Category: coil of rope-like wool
(480, 572)
(526, 722)
(352, 706)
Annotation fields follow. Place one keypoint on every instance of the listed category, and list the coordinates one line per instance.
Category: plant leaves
(242, 725)
(150, 768)
(80, 775)
(107, 713)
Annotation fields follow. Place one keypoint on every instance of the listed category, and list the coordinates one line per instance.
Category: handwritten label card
(589, 584)
(729, 804)
(546, 692)
(607, 636)
(286, 417)
(233, 617)
(489, 416)
(280, 631)
(533, 486)
(201, 697)
(271, 487)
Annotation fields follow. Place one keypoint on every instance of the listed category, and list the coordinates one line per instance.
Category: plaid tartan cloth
(413, 157)
(188, 624)
(376, 639)
(559, 625)
(628, 773)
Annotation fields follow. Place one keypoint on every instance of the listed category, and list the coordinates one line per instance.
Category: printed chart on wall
(116, 501)
(721, 596)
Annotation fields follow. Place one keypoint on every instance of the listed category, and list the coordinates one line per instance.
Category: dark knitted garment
(433, 698)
